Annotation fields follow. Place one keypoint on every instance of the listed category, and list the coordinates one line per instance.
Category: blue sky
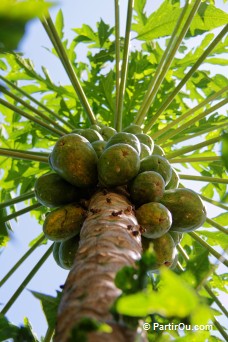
(33, 46)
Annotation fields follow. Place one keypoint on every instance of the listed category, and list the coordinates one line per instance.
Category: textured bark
(110, 240)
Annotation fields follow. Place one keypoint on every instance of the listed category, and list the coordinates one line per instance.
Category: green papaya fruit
(64, 222)
(147, 140)
(77, 130)
(67, 251)
(55, 252)
(165, 250)
(158, 150)
(75, 160)
(96, 127)
(147, 187)
(51, 190)
(187, 209)
(174, 180)
(154, 218)
(91, 134)
(117, 165)
(177, 237)
(174, 263)
(107, 132)
(125, 138)
(158, 164)
(99, 147)
(133, 129)
(145, 151)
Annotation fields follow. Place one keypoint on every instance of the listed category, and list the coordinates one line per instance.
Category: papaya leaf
(199, 262)
(208, 18)
(162, 22)
(10, 331)
(44, 242)
(219, 281)
(49, 305)
(59, 23)
(104, 31)
(86, 34)
(222, 219)
(141, 14)
(14, 16)
(159, 24)
(174, 298)
(215, 238)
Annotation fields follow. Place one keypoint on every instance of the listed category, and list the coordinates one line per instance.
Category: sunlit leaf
(59, 23)
(13, 17)
(174, 298)
(215, 238)
(49, 305)
(10, 331)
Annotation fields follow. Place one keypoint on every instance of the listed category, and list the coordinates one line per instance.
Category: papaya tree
(124, 168)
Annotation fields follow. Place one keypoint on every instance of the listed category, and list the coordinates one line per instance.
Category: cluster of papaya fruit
(99, 157)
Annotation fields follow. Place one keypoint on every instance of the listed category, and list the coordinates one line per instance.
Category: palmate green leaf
(174, 298)
(159, 24)
(10, 331)
(86, 34)
(49, 305)
(215, 238)
(44, 242)
(59, 23)
(162, 22)
(99, 39)
(208, 190)
(139, 9)
(221, 219)
(217, 61)
(197, 268)
(191, 57)
(14, 15)
(106, 85)
(23, 69)
(104, 32)
(219, 281)
(207, 18)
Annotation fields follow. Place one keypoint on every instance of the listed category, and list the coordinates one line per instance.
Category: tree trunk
(109, 240)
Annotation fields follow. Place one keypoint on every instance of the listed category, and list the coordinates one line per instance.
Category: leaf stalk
(21, 260)
(23, 155)
(20, 212)
(187, 149)
(56, 41)
(186, 78)
(17, 199)
(30, 117)
(33, 109)
(190, 112)
(162, 69)
(26, 280)
(11, 84)
(124, 69)
(204, 179)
